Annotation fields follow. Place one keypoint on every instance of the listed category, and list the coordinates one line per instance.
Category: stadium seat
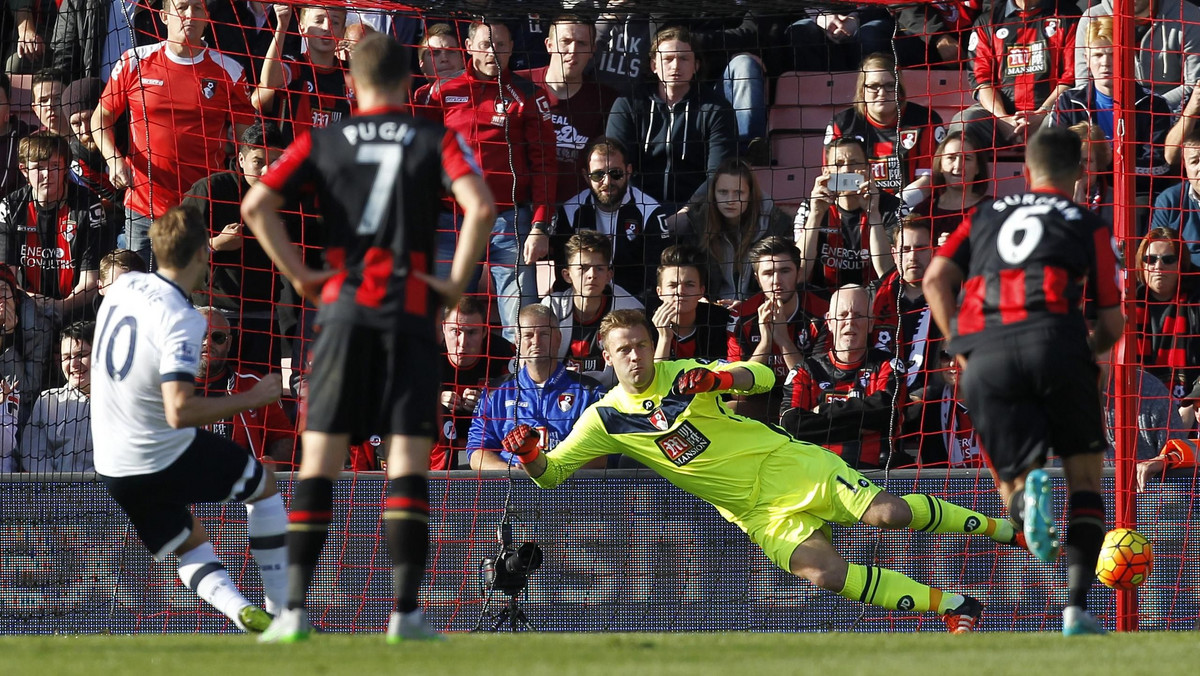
(20, 99)
(797, 160)
(816, 89)
(946, 91)
(1008, 177)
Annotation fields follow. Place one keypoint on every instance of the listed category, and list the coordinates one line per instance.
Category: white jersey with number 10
(148, 333)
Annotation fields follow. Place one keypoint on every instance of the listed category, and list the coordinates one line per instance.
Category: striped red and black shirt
(1027, 260)
(1025, 54)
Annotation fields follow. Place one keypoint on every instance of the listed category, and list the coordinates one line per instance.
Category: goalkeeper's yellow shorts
(802, 487)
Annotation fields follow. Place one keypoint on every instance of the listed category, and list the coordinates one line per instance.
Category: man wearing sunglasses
(611, 206)
(266, 431)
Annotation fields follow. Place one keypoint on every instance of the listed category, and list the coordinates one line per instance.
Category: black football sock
(1085, 535)
(406, 514)
(308, 525)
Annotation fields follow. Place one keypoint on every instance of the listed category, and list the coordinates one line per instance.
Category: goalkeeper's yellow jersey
(693, 441)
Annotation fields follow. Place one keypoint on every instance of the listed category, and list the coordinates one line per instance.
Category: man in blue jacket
(543, 394)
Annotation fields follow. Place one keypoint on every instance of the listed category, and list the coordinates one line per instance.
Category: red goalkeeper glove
(699, 380)
(522, 441)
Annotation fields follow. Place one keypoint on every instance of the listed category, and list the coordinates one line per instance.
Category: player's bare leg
(1085, 536)
(406, 515)
(929, 514)
(203, 573)
(817, 561)
(308, 525)
(266, 523)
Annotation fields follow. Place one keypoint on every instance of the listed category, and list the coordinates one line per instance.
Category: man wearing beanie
(79, 100)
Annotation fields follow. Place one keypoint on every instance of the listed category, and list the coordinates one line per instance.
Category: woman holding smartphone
(842, 229)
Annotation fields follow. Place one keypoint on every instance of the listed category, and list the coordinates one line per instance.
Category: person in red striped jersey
(1024, 263)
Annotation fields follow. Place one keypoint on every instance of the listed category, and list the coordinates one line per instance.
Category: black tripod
(510, 615)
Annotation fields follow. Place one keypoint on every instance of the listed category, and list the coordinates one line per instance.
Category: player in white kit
(145, 413)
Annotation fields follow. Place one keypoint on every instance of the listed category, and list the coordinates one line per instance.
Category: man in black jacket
(677, 134)
(84, 45)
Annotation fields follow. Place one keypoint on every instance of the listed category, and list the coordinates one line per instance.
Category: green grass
(928, 654)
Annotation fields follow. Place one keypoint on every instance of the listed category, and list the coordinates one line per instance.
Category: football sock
(267, 523)
(406, 514)
(934, 515)
(1085, 535)
(308, 524)
(1016, 507)
(203, 573)
(895, 591)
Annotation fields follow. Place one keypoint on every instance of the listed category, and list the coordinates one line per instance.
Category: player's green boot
(1040, 534)
(411, 627)
(291, 626)
(1079, 622)
(253, 620)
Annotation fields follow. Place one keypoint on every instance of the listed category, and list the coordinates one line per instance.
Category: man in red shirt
(578, 103)
(506, 121)
(267, 432)
(1023, 58)
(180, 97)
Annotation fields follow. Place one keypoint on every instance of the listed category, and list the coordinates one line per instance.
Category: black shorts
(212, 469)
(366, 381)
(1033, 392)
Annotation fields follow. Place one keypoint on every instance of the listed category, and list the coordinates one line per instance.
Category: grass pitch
(545, 653)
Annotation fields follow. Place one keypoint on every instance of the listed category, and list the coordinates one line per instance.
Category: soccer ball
(1126, 559)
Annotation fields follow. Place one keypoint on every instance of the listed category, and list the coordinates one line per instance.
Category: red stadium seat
(816, 89)
(1008, 177)
(21, 98)
(797, 160)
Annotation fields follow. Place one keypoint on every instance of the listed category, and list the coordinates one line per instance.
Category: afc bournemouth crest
(631, 230)
(908, 138)
(209, 87)
(565, 401)
(659, 420)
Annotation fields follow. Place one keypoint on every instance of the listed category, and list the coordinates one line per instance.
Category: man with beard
(611, 206)
(265, 431)
(845, 398)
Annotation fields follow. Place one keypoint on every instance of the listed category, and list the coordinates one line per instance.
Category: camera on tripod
(509, 571)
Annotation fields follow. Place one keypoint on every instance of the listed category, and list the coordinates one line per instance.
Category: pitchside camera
(509, 571)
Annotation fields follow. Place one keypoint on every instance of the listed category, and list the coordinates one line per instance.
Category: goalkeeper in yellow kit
(780, 491)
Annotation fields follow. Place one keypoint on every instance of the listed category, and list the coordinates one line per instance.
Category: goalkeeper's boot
(410, 627)
(964, 618)
(1079, 622)
(291, 626)
(1040, 534)
(253, 620)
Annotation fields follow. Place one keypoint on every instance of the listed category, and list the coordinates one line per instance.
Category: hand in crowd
(29, 43)
(665, 318)
(230, 238)
(268, 390)
(1147, 469)
(119, 172)
(949, 50)
(467, 402)
(839, 27)
(537, 246)
(283, 15)
(772, 325)
(822, 196)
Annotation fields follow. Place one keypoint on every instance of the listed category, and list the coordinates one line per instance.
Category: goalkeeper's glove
(522, 441)
(699, 380)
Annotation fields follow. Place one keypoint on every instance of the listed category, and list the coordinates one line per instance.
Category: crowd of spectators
(623, 147)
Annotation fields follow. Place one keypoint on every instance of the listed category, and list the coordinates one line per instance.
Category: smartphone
(845, 182)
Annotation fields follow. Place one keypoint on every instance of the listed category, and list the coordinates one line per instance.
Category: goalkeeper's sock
(895, 591)
(308, 524)
(267, 523)
(934, 515)
(203, 573)
(1016, 507)
(406, 513)
(1085, 536)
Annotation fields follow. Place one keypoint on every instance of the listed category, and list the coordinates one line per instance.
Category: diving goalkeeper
(781, 492)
